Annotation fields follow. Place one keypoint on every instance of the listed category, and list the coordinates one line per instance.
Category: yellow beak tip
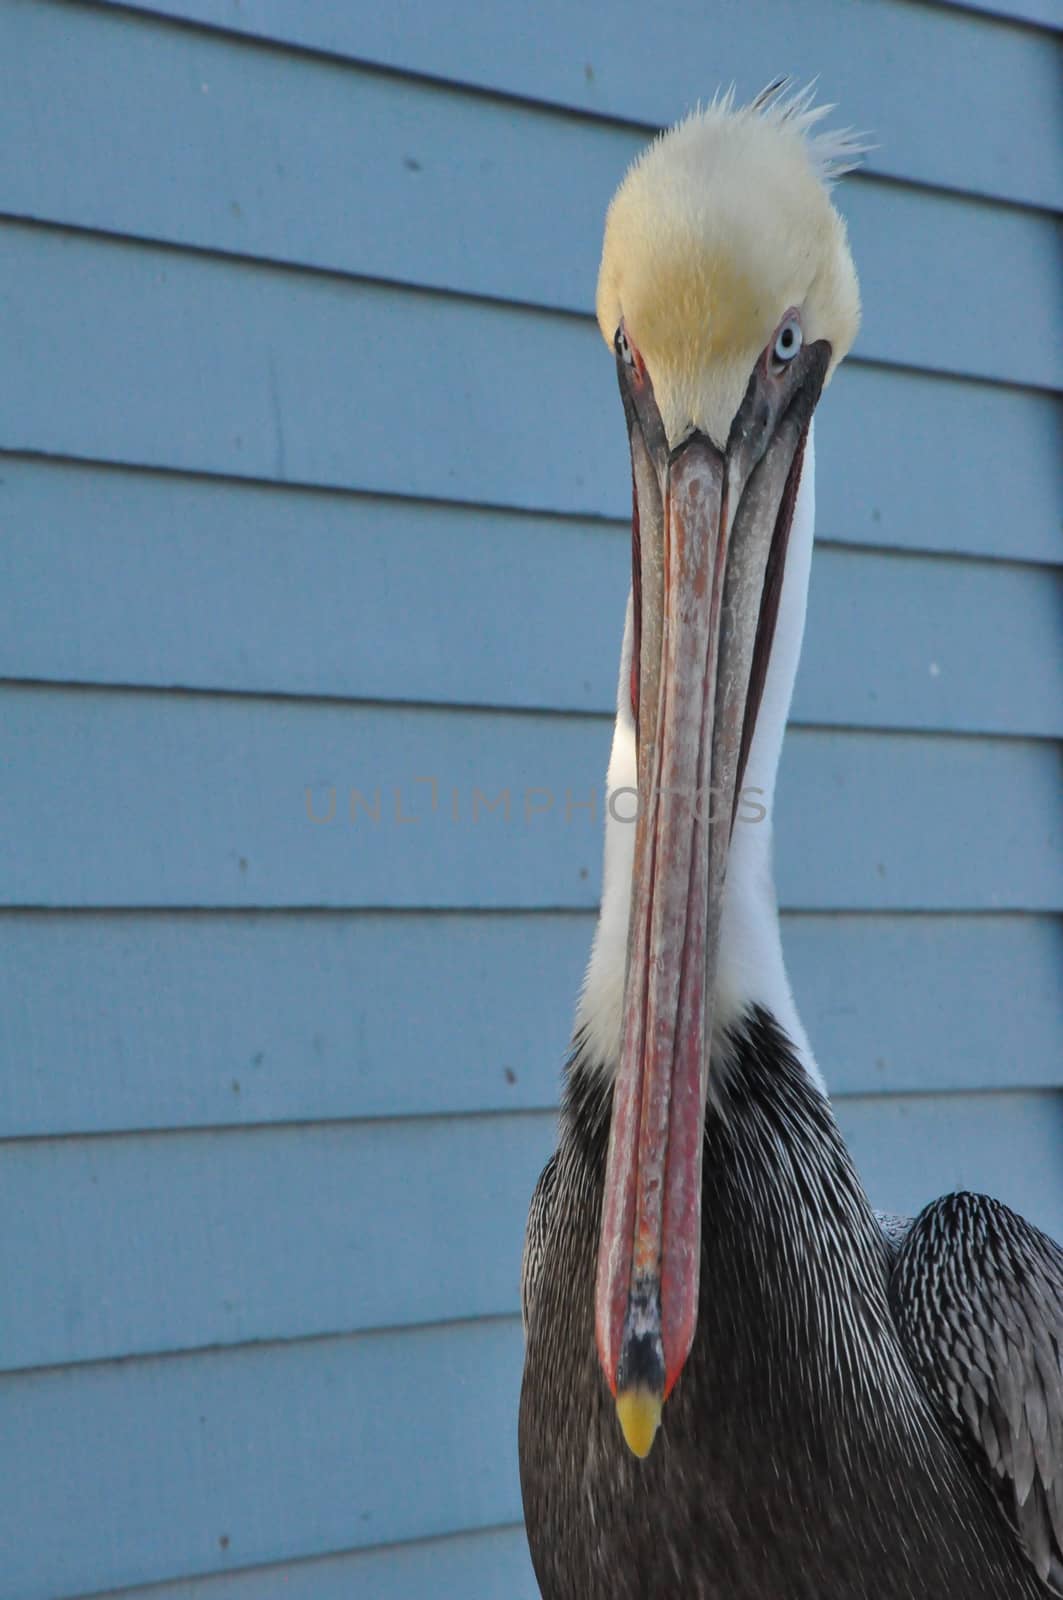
(638, 1411)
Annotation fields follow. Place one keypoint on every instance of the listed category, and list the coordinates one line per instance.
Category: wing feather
(977, 1296)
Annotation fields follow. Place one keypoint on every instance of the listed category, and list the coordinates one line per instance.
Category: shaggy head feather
(721, 226)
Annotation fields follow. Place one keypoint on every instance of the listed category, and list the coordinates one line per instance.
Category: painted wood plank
(139, 1021)
(215, 585)
(1042, 13)
(940, 633)
(255, 1456)
(137, 798)
(493, 1565)
(254, 371)
(911, 1148)
(173, 1241)
(148, 1244)
(219, 1019)
(902, 1004)
(940, 276)
(977, 124)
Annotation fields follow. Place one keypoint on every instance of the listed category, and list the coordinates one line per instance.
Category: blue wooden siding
(260, 602)
(282, 512)
(266, 373)
(955, 101)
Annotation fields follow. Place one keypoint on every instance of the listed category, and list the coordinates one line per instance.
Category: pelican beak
(709, 537)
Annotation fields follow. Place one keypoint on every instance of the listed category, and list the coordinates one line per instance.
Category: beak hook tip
(638, 1411)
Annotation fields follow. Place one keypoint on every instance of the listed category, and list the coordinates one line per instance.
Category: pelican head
(728, 295)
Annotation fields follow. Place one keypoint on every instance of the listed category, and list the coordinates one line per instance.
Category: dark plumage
(977, 1296)
(855, 1419)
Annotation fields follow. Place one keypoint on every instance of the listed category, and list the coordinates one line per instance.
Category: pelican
(740, 1381)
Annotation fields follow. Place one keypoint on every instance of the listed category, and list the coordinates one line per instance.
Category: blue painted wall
(283, 517)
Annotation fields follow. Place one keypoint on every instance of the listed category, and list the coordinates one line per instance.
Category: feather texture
(977, 1295)
(800, 1454)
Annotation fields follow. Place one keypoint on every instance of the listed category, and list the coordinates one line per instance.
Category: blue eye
(788, 340)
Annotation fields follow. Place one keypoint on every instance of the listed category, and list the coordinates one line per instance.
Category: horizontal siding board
(980, 125)
(240, 1019)
(176, 1241)
(254, 1456)
(941, 666)
(172, 1241)
(1041, 13)
(909, 1149)
(944, 250)
(216, 585)
(137, 798)
(940, 276)
(214, 1019)
(150, 357)
(493, 1565)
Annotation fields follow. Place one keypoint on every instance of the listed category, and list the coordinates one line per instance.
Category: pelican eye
(623, 345)
(788, 341)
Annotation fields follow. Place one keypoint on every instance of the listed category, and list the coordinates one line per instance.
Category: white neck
(751, 969)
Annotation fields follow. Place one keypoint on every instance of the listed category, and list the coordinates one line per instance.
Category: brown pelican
(849, 1406)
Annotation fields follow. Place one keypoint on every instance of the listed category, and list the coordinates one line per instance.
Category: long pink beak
(710, 534)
